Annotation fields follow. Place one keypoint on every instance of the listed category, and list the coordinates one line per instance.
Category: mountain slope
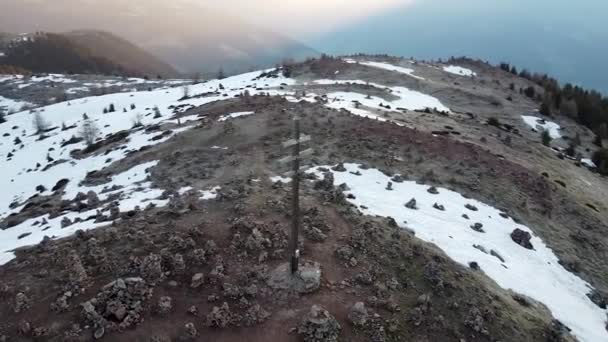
(121, 52)
(195, 38)
(82, 52)
(48, 52)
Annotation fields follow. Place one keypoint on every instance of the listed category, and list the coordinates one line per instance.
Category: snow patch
(460, 71)
(209, 194)
(234, 115)
(541, 125)
(390, 67)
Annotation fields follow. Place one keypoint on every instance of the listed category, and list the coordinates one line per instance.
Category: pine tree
(545, 109)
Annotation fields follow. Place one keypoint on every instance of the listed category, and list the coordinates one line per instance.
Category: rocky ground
(201, 270)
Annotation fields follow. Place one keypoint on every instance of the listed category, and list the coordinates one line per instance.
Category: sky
(304, 19)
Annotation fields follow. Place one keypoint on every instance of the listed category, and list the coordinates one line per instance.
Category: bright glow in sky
(305, 17)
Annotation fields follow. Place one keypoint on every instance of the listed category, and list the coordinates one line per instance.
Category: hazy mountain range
(185, 34)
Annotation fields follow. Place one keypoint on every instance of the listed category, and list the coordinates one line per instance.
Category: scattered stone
(22, 302)
(151, 269)
(219, 317)
(389, 186)
(197, 280)
(92, 199)
(306, 280)
(411, 204)
(596, 297)
(255, 315)
(478, 227)
(433, 190)
(190, 330)
(345, 253)
(358, 315)
(471, 207)
(164, 305)
(193, 310)
(398, 179)
(475, 321)
(65, 222)
(339, 168)
(498, 256)
(439, 207)
(522, 238)
(319, 326)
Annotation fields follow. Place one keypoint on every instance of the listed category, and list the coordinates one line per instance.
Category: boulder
(522, 238)
(319, 326)
(358, 315)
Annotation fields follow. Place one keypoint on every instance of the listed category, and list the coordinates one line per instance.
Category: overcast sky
(303, 19)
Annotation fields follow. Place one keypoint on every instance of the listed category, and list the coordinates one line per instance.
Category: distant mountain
(80, 52)
(121, 52)
(54, 53)
(189, 36)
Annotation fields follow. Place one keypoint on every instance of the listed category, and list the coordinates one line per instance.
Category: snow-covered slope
(29, 163)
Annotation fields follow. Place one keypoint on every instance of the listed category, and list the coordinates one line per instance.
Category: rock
(497, 255)
(433, 190)
(120, 301)
(475, 321)
(25, 328)
(151, 270)
(65, 222)
(339, 168)
(193, 310)
(389, 186)
(319, 326)
(411, 204)
(327, 183)
(358, 315)
(197, 280)
(522, 238)
(255, 315)
(306, 280)
(99, 332)
(199, 257)
(439, 207)
(478, 227)
(219, 317)
(314, 234)
(116, 309)
(92, 199)
(397, 179)
(596, 297)
(474, 265)
(190, 330)
(345, 253)
(22, 302)
(465, 216)
(165, 305)
(471, 207)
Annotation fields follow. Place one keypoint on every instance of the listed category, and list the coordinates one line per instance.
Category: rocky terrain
(430, 208)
